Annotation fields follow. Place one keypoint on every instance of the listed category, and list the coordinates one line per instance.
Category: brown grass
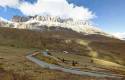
(10, 75)
(14, 45)
(46, 59)
(16, 65)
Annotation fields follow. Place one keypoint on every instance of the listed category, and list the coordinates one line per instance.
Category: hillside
(15, 43)
(73, 42)
(14, 66)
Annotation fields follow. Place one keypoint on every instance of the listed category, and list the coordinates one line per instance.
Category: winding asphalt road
(73, 71)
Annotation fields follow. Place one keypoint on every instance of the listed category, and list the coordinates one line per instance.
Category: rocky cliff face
(20, 19)
(37, 23)
(45, 23)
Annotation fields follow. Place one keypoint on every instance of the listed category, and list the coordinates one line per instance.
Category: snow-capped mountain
(5, 20)
(39, 23)
(6, 23)
(120, 35)
(34, 22)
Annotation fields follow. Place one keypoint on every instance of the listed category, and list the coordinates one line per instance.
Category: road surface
(73, 71)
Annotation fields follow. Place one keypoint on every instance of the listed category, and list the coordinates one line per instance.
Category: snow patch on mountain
(37, 23)
(5, 20)
(119, 35)
(75, 25)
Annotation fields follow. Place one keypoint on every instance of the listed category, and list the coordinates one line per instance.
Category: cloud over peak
(9, 3)
(50, 7)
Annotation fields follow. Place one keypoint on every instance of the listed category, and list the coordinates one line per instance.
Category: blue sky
(110, 13)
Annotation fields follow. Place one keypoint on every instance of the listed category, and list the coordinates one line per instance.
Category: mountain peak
(75, 25)
(39, 23)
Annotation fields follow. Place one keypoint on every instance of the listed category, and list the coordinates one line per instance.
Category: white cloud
(9, 3)
(56, 8)
(51, 7)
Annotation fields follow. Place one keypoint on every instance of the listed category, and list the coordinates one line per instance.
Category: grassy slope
(19, 42)
(17, 67)
(112, 51)
(46, 59)
(107, 48)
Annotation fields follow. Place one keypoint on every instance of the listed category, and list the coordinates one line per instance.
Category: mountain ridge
(31, 21)
(37, 23)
